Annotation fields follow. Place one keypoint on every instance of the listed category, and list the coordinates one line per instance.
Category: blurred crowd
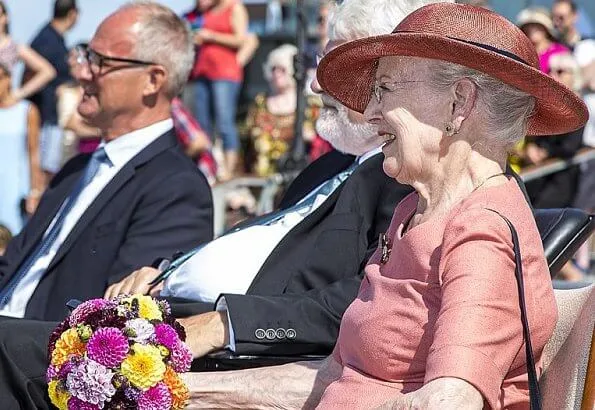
(41, 128)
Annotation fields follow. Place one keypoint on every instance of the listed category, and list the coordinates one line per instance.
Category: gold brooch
(386, 248)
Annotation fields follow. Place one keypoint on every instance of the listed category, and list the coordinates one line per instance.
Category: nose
(372, 113)
(315, 86)
(83, 72)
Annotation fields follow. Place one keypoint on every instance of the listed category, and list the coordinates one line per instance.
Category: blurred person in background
(79, 136)
(218, 73)
(11, 53)
(556, 190)
(271, 117)
(5, 237)
(537, 25)
(50, 44)
(22, 181)
(565, 18)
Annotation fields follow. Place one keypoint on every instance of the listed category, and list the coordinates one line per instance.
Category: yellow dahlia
(69, 344)
(177, 388)
(58, 396)
(144, 367)
(147, 308)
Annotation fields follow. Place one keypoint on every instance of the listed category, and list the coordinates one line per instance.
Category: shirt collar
(360, 160)
(122, 149)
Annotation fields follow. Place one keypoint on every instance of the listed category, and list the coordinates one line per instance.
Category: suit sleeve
(308, 323)
(175, 214)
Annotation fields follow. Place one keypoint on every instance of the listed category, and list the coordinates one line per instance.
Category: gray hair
(164, 38)
(280, 56)
(507, 109)
(355, 19)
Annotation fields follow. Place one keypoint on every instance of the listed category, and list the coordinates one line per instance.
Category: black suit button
(259, 333)
(281, 333)
(271, 334)
(290, 333)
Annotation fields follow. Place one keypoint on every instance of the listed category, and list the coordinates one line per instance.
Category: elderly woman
(270, 120)
(436, 323)
(437, 317)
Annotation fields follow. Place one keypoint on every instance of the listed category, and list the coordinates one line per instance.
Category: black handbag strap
(534, 393)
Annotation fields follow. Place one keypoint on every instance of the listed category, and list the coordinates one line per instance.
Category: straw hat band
(504, 53)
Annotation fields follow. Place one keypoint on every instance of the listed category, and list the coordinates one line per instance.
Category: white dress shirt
(230, 263)
(119, 151)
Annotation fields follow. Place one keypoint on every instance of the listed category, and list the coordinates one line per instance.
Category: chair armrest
(226, 360)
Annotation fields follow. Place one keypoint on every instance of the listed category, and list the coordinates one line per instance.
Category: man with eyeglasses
(137, 197)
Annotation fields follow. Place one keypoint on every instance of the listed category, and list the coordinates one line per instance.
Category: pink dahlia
(108, 346)
(166, 335)
(91, 382)
(181, 357)
(80, 313)
(74, 403)
(155, 398)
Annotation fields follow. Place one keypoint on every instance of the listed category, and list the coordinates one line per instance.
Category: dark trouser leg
(23, 363)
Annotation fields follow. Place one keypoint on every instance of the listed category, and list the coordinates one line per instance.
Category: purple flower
(155, 398)
(181, 357)
(107, 317)
(67, 367)
(91, 382)
(164, 306)
(108, 346)
(139, 330)
(80, 313)
(166, 335)
(75, 403)
(51, 373)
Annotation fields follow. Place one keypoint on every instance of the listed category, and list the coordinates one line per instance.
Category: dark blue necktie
(98, 157)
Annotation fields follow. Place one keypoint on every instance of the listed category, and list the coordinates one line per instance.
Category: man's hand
(137, 282)
(206, 333)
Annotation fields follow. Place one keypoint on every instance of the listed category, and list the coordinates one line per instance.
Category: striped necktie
(99, 157)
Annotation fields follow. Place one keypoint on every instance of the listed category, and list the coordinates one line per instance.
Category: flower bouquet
(124, 353)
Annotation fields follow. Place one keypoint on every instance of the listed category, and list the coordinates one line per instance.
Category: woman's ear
(465, 96)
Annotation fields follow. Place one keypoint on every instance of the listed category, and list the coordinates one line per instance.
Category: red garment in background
(318, 148)
(187, 129)
(214, 61)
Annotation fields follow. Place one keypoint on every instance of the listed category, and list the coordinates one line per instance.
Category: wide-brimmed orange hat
(458, 33)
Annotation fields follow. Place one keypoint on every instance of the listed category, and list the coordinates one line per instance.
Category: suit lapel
(274, 284)
(127, 172)
(315, 174)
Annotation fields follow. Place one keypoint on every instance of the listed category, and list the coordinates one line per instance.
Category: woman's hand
(135, 283)
(441, 394)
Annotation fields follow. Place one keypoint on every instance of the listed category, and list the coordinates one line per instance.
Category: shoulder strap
(534, 394)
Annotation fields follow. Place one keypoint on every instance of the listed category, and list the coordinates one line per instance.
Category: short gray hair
(507, 109)
(164, 38)
(355, 19)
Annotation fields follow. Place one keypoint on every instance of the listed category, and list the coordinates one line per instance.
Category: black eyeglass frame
(88, 52)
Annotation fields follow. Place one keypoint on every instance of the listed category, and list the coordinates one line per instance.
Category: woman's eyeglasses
(96, 61)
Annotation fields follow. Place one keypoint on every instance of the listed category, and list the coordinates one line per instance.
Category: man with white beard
(281, 286)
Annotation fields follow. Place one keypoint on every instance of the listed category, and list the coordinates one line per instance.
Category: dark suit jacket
(157, 204)
(315, 272)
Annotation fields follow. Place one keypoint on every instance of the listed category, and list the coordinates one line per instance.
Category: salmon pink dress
(445, 304)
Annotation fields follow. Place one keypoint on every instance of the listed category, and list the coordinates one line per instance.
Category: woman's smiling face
(410, 114)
